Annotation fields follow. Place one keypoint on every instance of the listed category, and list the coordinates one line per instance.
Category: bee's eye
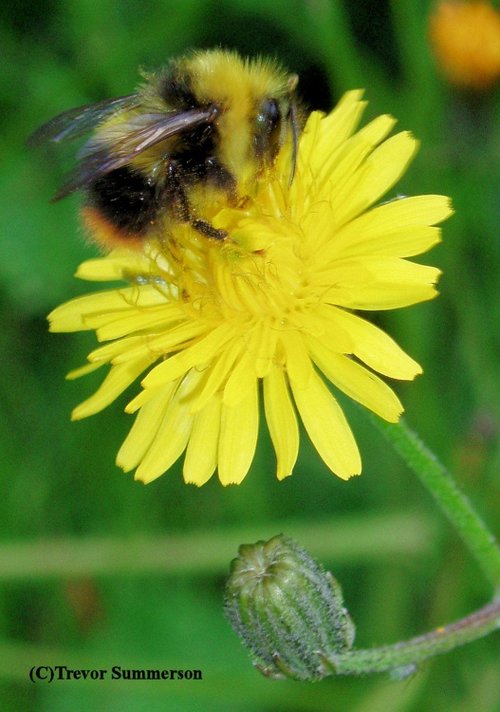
(267, 130)
(269, 115)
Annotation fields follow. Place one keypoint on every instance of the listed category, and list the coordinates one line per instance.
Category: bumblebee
(195, 135)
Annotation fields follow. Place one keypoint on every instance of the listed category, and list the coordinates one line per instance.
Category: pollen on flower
(465, 37)
(269, 314)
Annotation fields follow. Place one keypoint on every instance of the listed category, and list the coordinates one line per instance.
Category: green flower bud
(287, 609)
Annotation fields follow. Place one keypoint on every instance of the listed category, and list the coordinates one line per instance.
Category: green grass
(97, 570)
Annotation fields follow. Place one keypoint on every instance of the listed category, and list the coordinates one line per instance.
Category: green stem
(404, 656)
(441, 485)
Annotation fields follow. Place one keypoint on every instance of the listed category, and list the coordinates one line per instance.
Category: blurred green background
(97, 570)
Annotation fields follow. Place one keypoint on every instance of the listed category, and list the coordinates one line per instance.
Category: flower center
(257, 273)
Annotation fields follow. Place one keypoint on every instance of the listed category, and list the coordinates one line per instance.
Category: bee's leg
(180, 204)
(175, 193)
(208, 230)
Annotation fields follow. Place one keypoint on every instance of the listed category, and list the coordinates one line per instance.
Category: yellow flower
(466, 40)
(269, 313)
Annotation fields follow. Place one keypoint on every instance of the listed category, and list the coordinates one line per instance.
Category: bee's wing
(78, 121)
(106, 153)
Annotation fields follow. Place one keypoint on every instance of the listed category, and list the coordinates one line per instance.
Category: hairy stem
(442, 486)
(407, 654)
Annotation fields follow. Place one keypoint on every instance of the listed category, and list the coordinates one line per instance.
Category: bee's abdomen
(126, 199)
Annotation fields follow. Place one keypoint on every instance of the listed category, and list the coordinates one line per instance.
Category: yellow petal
(109, 352)
(73, 315)
(309, 137)
(160, 345)
(241, 379)
(215, 376)
(324, 325)
(376, 348)
(238, 438)
(145, 396)
(342, 165)
(144, 429)
(375, 177)
(357, 382)
(118, 379)
(263, 345)
(298, 363)
(399, 228)
(383, 296)
(154, 319)
(405, 241)
(113, 266)
(70, 316)
(322, 137)
(201, 453)
(281, 421)
(190, 381)
(170, 440)
(415, 210)
(327, 427)
(83, 371)
(337, 126)
(203, 351)
(379, 283)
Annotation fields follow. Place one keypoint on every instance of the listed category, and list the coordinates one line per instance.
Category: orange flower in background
(465, 38)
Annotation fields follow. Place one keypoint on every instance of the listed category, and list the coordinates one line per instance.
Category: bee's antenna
(294, 125)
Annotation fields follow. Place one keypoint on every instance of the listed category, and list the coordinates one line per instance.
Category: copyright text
(53, 673)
